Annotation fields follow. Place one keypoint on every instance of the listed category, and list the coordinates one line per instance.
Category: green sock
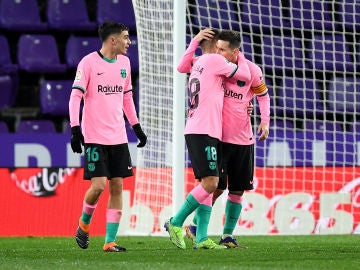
(86, 218)
(186, 209)
(111, 231)
(196, 217)
(203, 217)
(232, 214)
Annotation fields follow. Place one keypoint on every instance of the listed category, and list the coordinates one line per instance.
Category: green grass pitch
(264, 252)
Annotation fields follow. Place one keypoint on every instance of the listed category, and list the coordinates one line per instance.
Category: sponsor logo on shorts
(212, 165)
(91, 167)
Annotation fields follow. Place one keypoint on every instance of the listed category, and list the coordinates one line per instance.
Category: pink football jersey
(237, 128)
(103, 84)
(207, 93)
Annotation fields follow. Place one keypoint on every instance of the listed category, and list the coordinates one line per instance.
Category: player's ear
(112, 39)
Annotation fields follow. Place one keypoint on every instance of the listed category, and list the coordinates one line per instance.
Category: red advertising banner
(47, 202)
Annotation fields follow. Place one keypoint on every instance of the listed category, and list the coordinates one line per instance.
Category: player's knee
(98, 189)
(210, 183)
(237, 192)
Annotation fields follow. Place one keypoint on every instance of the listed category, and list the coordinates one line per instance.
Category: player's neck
(108, 54)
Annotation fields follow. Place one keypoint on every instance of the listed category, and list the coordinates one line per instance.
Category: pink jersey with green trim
(103, 84)
(237, 128)
(207, 93)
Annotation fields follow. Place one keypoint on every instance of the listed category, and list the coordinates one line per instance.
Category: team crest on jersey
(240, 83)
(123, 73)
(78, 76)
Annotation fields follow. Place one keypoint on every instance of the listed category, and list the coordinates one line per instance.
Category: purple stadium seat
(323, 125)
(311, 15)
(114, 10)
(6, 64)
(207, 13)
(21, 15)
(8, 95)
(133, 55)
(246, 46)
(331, 53)
(299, 97)
(262, 15)
(344, 94)
(282, 123)
(36, 126)
(3, 127)
(69, 15)
(66, 127)
(355, 128)
(54, 97)
(282, 52)
(78, 47)
(39, 54)
(349, 15)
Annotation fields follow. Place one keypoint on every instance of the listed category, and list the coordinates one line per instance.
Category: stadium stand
(311, 14)
(133, 54)
(78, 47)
(226, 11)
(70, 15)
(346, 93)
(349, 15)
(299, 98)
(7, 93)
(6, 64)
(268, 17)
(330, 52)
(4, 127)
(54, 97)
(121, 11)
(36, 126)
(38, 53)
(285, 53)
(21, 16)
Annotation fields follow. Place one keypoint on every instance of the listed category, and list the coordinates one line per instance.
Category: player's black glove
(140, 135)
(77, 139)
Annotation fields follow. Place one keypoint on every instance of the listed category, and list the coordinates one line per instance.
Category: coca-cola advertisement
(42, 183)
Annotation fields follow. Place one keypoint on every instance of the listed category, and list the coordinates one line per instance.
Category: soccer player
(237, 137)
(203, 132)
(103, 81)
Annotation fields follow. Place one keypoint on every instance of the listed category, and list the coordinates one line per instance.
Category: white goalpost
(307, 174)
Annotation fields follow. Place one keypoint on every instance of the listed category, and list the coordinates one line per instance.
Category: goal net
(307, 175)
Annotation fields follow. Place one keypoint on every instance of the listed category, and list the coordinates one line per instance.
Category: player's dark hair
(109, 28)
(206, 44)
(232, 37)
